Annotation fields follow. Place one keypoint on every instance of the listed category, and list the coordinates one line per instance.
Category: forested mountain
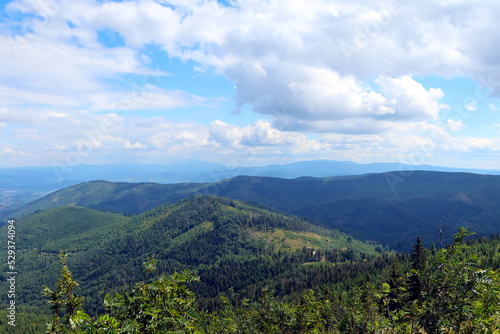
(227, 243)
(391, 208)
(256, 267)
(452, 290)
(118, 197)
(19, 186)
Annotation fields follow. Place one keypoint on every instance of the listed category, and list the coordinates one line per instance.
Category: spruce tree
(397, 286)
(418, 261)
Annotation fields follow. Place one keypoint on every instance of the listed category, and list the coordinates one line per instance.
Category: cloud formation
(328, 79)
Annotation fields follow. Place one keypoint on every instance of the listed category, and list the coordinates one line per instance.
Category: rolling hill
(19, 186)
(385, 207)
(227, 242)
(390, 208)
(119, 197)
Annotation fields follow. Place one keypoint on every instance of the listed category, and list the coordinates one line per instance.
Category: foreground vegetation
(445, 291)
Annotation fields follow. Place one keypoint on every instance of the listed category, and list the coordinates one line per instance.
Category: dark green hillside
(390, 208)
(396, 221)
(452, 290)
(287, 195)
(228, 243)
(71, 228)
(119, 197)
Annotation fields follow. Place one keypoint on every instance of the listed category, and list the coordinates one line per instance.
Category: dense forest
(217, 265)
(230, 245)
(241, 267)
(388, 208)
(226, 242)
(450, 290)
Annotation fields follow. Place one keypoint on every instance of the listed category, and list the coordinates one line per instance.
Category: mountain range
(243, 235)
(229, 244)
(22, 185)
(390, 208)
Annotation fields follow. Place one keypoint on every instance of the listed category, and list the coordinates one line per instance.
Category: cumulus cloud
(135, 146)
(349, 72)
(307, 98)
(258, 134)
(283, 57)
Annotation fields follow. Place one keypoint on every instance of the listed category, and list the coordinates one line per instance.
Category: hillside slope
(391, 208)
(226, 242)
(387, 207)
(118, 197)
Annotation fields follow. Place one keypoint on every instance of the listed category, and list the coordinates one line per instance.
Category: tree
(66, 306)
(459, 297)
(163, 306)
(397, 287)
(418, 262)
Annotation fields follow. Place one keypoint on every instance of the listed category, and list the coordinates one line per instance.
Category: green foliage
(459, 294)
(74, 229)
(163, 306)
(419, 267)
(456, 296)
(308, 314)
(29, 320)
(65, 305)
(259, 272)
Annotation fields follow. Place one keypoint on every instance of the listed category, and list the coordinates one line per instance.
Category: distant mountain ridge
(327, 168)
(197, 171)
(19, 186)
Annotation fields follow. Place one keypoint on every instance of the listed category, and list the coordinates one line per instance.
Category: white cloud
(87, 138)
(454, 126)
(263, 134)
(287, 60)
(471, 106)
(410, 98)
(306, 98)
(223, 133)
(258, 134)
(293, 47)
(12, 152)
(137, 145)
(147, 97)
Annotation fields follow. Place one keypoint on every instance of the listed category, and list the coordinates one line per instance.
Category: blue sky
(249, 82)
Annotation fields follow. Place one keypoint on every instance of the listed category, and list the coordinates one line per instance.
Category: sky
(250, 82)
